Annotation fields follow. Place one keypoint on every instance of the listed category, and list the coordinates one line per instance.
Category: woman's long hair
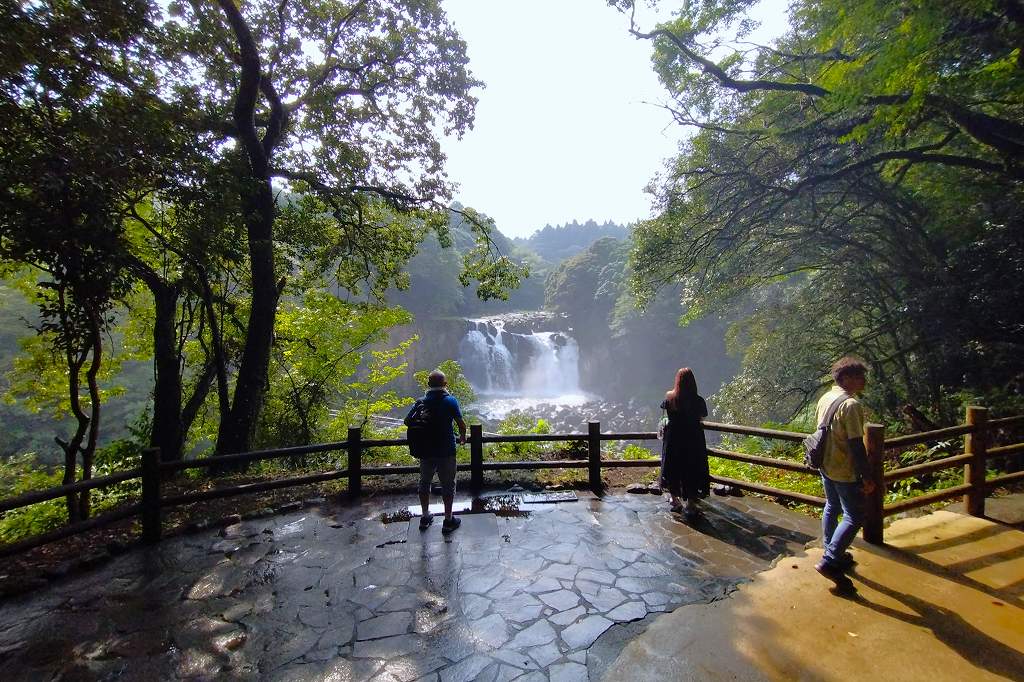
(684, 391)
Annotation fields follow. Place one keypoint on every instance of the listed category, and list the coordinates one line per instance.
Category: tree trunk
(71, 447)
(239, 424)
(167, 433)
(217, 346)
(89, 451)
(198, 397)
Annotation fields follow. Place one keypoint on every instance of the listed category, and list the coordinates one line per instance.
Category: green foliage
(518, 422)
(846, 188)
(648, 343)
(632, 451)
(330, 371)
(557, 243)
(458, 385)
(22, 474)
(776, 478)
(121, 455)
(38, 380)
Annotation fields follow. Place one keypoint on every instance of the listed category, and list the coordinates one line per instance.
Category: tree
(66, 180)
(458, 385)
(319, 368)
(840, 182)
(361, 87)
(185, 103)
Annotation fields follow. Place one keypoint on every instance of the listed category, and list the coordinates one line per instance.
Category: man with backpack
(432, 441)
(844, 469)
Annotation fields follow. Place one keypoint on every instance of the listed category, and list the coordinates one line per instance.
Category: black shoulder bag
(814, 444)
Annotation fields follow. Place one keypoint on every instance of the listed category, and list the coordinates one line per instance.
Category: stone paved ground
(941, 601)
(523, 592)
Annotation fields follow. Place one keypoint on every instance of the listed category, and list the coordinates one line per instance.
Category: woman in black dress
(684, 453)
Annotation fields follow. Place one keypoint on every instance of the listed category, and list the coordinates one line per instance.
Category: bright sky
(568, 127)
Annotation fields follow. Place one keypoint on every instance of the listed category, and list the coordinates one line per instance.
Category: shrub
(22, 474)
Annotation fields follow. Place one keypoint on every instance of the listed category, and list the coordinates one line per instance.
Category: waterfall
(553, 368)
(501, 363)
(486, 361)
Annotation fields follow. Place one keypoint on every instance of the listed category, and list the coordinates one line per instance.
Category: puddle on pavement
(547, 498)
(502, 504)
(396, 516)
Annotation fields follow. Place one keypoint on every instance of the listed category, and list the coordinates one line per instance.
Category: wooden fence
(977, 429)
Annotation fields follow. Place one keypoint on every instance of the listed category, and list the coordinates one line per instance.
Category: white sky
(567, 127)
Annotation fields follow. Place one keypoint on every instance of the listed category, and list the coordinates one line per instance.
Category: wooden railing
(153, 472)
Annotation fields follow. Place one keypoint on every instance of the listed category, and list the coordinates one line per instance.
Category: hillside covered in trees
(556, 243)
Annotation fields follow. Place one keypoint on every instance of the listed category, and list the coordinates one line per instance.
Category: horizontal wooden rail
(37, 496)
(401, 469)
(1005, 450)
(768, 490)
(764, 461)
(243, 457)
(640, 435)
(619, 463)
(1005, 479)
(104, 519)
(926, 499)
(928, 436)
(534, 438)
(1007, 421)
(755, 431)
(927, 467)
(231, 491)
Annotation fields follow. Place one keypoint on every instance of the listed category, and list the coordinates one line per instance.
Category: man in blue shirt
(440, 458)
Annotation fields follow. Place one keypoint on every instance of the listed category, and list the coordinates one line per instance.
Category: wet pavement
(942, 600)
(522, 591)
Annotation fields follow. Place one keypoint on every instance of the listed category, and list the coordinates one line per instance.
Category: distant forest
(555, 244)
(435, 289)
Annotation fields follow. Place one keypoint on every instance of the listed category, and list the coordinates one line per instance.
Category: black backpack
(424, 429)
(814, 444)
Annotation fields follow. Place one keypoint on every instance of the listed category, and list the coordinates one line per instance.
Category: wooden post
(476, 457)
(874, 514)
(151, 524)
(355, 462)
(976, 445)
(594, 456)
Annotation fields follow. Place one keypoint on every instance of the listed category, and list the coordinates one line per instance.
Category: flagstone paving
(534, 591)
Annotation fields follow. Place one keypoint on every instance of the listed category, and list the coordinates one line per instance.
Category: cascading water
(511, 370)
(553, 368)
(486, 361)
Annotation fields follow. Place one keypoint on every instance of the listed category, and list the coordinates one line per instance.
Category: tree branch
(248, 87)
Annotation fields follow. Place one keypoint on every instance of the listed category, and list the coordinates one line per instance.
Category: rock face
(527, 322)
